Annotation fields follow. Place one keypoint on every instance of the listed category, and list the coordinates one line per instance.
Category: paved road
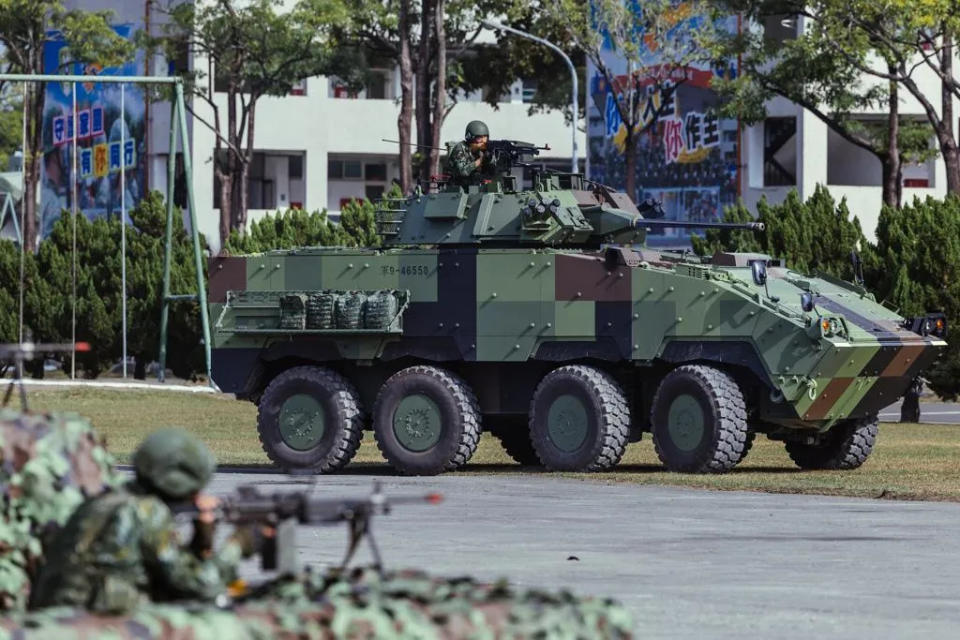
(689, 564)
(930, 412)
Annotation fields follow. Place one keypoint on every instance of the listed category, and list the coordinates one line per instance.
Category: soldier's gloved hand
(251, 539)
(204, 525)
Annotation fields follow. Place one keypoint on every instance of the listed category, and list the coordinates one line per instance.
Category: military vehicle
(539, 315)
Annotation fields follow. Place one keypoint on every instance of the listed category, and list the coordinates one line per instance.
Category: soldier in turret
(121, 549)
(467, 163)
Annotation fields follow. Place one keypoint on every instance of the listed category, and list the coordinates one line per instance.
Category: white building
(794, 149)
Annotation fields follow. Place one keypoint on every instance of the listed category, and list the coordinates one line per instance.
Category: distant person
(121, 549)
(467, 163)
(910, 408)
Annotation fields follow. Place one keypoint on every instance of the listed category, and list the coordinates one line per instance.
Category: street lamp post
(573, 75)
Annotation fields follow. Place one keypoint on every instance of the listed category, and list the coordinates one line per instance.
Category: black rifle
(503, 155)
(655, 208)
(284, 511)
(17, 354)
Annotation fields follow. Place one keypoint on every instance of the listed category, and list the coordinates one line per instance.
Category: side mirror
(806, 301)
(759, 270)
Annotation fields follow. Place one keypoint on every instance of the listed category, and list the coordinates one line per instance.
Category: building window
(373, 192)
(376, 171)
(300, 88)
(529, 91)
(274, 181)
(780, 27)
(780, 152)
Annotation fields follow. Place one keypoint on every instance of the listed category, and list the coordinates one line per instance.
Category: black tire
(711, 441)
(597, 437)
(342, 419)
(514, 437)
(456, 427)
(845, 446)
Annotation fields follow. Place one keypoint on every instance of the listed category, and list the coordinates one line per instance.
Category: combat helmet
(173, 463)
(475, 129)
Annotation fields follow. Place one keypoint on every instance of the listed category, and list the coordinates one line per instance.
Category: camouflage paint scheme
(502, 291)
(405, 604)
(49, 464)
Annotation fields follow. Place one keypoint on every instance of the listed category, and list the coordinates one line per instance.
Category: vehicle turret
(559, 210)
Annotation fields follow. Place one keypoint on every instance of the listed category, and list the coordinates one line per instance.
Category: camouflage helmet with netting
(173, 463)
(475, 129)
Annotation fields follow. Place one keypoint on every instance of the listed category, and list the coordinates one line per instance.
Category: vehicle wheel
(579, 419)
(310, 418)
(846, 446)
(699, 420)
(426, 420)
(514, 437)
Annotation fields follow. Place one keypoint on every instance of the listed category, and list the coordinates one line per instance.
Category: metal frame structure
(178, 124)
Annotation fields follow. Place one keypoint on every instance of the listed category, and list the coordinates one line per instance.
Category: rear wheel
(310, 418)
(699, 420)
(846, 446)
(579, 420)
(426, 420)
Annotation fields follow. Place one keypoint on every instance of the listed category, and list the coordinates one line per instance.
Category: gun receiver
(285, 510)
(506, 154)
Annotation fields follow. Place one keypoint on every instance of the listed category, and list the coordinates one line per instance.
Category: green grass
(910, 461)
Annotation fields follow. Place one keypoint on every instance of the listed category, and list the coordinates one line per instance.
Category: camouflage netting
(49, 463)
(361, 605)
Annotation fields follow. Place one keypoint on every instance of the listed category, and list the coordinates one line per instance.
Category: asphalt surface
(930, 412)
(688, 564)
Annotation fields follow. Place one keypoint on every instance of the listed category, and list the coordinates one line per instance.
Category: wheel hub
(567, 423)
(302, 422)
(417, 423)
(685, 422)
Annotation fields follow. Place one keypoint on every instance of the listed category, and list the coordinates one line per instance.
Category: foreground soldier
(121, 549)
(466, 162)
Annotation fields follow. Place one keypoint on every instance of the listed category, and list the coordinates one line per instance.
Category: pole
(23, 215)
(165, 299)
(574, 95)
(73, 207)
(194, 231)
(123, 222)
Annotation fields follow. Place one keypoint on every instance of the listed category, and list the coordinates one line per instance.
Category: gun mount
(560, 210)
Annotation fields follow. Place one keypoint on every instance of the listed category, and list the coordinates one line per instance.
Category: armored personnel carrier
(537, 314)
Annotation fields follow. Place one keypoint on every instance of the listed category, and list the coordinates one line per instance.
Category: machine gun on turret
(503, 155)
(654, 208)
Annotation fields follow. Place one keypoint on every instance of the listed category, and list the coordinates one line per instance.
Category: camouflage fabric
(461, 164)
(120, 550)
(49, 464)
(361, 605)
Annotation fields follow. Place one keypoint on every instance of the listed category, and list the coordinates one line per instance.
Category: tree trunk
(404, 120)
(440, 86)
(948, 141)
(423, 81)
(630, 165)
(892, 162)
(32, 158)
(226, 195)
(243, 170)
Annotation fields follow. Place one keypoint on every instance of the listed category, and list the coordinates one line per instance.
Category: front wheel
(426, 420)
(310, 418)
(699, 420)
(846, 446)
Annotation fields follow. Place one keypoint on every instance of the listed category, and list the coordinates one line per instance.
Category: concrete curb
(95, 384)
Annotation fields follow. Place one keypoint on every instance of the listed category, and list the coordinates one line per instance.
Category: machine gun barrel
(644, 223)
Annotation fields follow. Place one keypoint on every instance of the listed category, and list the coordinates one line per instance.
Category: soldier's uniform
(461, 163)
(121, 549)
